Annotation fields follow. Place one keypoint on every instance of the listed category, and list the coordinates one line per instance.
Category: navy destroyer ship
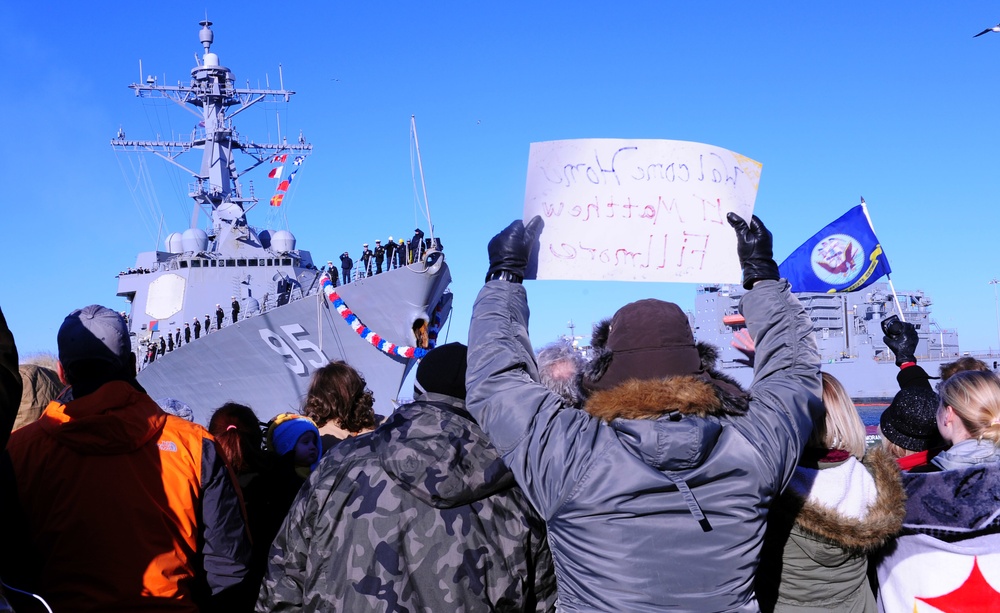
(847, 327)
(292, 318)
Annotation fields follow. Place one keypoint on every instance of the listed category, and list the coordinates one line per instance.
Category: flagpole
(899, 308)
(892, 288)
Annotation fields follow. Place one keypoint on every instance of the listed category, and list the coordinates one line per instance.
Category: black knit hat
(911, 420)
(442, 370)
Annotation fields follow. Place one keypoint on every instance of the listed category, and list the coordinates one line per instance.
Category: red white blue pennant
(366, 333)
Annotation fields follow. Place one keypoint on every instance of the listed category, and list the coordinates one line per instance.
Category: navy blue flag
(845, 256)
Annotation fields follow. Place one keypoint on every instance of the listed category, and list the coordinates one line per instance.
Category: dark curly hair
(237, 430)
(338, 394)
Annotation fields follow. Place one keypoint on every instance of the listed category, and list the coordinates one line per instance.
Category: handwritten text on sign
(638, 210)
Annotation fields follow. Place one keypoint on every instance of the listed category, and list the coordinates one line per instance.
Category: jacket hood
(650, 399)
(435, 451)
(41, 385)
(931, 501)
(672, 423)
(115, 419)
(883, 520)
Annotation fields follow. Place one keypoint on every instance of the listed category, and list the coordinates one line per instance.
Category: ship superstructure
(847, 328)
(286, 325)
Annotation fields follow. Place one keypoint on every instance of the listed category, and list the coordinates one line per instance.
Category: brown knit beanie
(647, 339)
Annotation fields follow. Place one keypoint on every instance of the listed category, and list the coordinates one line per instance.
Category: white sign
(638, 210)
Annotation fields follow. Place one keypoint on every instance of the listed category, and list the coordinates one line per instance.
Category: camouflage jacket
(419, 515)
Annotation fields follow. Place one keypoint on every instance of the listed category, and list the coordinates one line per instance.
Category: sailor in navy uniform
(366, 261)
(416, 246)
(346, 264)
(379, 257)
(390, 254)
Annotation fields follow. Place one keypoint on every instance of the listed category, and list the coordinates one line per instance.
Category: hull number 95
(299, 339)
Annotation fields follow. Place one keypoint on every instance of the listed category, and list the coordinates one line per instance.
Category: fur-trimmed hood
(673, 424)
(883, 520)
(710, 393)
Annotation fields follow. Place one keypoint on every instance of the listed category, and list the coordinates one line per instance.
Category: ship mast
(213, 94)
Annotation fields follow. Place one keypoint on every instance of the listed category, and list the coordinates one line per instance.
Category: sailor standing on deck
(390, 254)
(331, 270)
(366, 261)
(197, 328)
(208, 323)
(379, 256)
(219, 316)
(416, 246)
(346, 264)
(236, 309)
(401, 255)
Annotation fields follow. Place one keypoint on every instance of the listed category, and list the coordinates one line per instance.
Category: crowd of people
(393, 254)
(162, 342)
(635, 478)
(135, 271)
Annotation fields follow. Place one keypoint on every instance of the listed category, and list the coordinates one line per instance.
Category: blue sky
(891, 101)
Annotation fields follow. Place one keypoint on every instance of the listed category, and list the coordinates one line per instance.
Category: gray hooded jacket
(665, 506)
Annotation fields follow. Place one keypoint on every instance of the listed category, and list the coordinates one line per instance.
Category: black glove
(511, 248)
(754, 248)
(901, 337)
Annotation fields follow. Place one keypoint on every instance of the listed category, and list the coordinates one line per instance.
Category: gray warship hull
(266, 361)
(847, 328)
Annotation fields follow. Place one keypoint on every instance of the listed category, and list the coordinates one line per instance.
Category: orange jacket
(127, 508)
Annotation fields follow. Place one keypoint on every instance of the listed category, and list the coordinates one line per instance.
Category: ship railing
(942, 356)
(361, 272)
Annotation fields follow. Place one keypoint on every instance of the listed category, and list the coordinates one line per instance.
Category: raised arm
(787, 387)
(544, 443)
(902, 338)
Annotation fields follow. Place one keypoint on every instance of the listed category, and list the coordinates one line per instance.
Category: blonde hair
(842, 429)
(974, 395)
(894, 450)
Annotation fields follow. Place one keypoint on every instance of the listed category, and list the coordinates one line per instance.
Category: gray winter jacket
(622, 496)
(419, 515)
